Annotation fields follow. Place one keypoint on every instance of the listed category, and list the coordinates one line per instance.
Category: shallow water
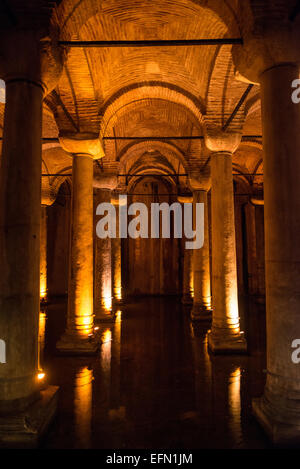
(154, 384)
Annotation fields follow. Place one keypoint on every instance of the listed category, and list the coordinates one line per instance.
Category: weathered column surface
(225, 335)
(187, 274)
(25, 409)
(103, 256)
(272, 60)
(43, 254)
(79, 335)
(201, 267)
(116, 257)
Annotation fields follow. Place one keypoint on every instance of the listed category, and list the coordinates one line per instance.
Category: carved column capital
(82, 144)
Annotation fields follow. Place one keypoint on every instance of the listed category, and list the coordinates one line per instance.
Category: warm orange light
(85, 321)
(83, 405)
(43, 288)
(41, 375)
(107, 301)
(106, 336)
(234, 401)
(41, 342)
(118, 316)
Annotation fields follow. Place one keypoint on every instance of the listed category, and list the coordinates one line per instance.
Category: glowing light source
(41, 375)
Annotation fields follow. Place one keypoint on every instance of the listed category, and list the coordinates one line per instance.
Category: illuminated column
(25, 410)
(279, 409)
(225, 335)
(104, 184)
(43, 254)
(103, 271)
(78, 338)
(201, 267)
(116, 259)
(187, 275)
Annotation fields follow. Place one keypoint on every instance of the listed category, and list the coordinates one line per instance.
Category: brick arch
(166, 149)
(54, 160)
(133, 97)
(73, 14)
(224, 92)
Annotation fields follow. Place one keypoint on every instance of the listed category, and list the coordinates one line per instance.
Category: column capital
(31, 55)
(105, 181)
(82, 144)
(271, 36)
(185, 198)
(114, 198)
(218, 141)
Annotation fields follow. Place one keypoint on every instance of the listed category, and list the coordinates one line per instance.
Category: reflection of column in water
(234, 403)
(83, 406)
(42, 329)
(116, 411)
(106, 357)
(203, 372)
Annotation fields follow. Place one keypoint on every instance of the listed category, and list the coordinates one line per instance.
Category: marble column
(103, 274)
(43, 255)
(225, 335)
(116, 260)
(187, 254)
(201, 267)
(103, 268)
(25, 409)
(279, 408)
(79, 336)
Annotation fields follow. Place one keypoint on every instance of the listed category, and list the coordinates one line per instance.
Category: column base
(280, 433)
(187, 300)
(226, 344)
(201, 313)
(25, 429)
(73, 345)
(107, 317)
(117, 303)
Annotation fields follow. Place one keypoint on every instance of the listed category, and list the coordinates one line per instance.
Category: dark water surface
(154, 384)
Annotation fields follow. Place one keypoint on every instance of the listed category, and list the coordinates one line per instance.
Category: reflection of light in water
(83, 405)
(234, 402)
(106, 350)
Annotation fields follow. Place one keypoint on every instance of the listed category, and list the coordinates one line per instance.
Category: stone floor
(154, 385)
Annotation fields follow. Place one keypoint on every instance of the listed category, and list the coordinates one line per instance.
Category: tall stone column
(25, 409)
(43, 254)
(201, 267)
(225, 335)
(187, 274)
(278, 410)
(116, 259)
(78, 337)
(103, 280)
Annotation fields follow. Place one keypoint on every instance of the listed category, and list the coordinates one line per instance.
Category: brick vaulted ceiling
(153, 91)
